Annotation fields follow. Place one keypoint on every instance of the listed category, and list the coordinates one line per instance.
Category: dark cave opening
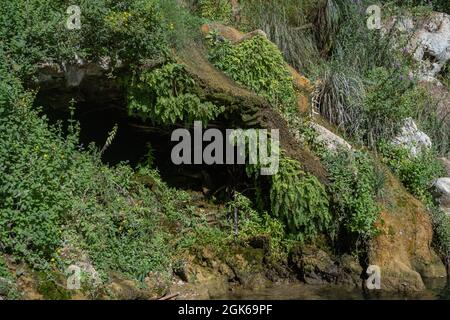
(135, 140)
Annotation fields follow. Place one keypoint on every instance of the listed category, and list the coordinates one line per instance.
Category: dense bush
(31, 174)
(300, 201)
(215, 10)
(391, 97)
(163, 96)
(60, 201)
(416, 173)
(257, 64)
(354, 187)
(252, 224)
(35, 31)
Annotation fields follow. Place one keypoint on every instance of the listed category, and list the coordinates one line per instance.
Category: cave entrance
(137, 143)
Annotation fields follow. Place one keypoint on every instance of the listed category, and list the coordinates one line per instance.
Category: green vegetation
(288, 23)
(299, 200)
(58, 198)
(215, 10)
(34, 32)
(257, 64)
(165, 96)
(416, 173)
(354, 185)
(437, 5)
(253, 224)
(61, 205)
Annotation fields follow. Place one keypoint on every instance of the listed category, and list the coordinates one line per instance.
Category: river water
(436, 289)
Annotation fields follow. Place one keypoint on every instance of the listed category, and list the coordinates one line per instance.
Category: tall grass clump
(289, 24)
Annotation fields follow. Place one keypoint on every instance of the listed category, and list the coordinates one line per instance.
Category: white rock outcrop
(442, 193)
(411, 138)
(74, 73)
(430, 45)
(331, 141)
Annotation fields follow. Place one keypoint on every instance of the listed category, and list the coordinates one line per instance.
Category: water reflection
(436, 289)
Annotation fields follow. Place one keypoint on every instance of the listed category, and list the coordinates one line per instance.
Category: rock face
(331, 141)
(59, 83)
(403, 249)
(412, 138)
(429, 42)
(316, 266)
(73, 74)
(442, 192)
(207, 275)
(432, 45)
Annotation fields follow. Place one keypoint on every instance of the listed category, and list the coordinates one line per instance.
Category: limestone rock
(429, 42)
(403, 248)
(432, 43)
(442, 192)
(412, 138)
(74, 75)
(315, 266)
(52, 73)
(332, 141)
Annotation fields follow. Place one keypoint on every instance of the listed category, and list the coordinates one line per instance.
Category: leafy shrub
(58, 199)
(257, 64)
(32, 172)
(35, 31)
(182, 27)
(441, 228)
(216, 10)
(391, 98)
(299, 200)
(253, 224)
(354, 187)
(416, 173)
(163, 96)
